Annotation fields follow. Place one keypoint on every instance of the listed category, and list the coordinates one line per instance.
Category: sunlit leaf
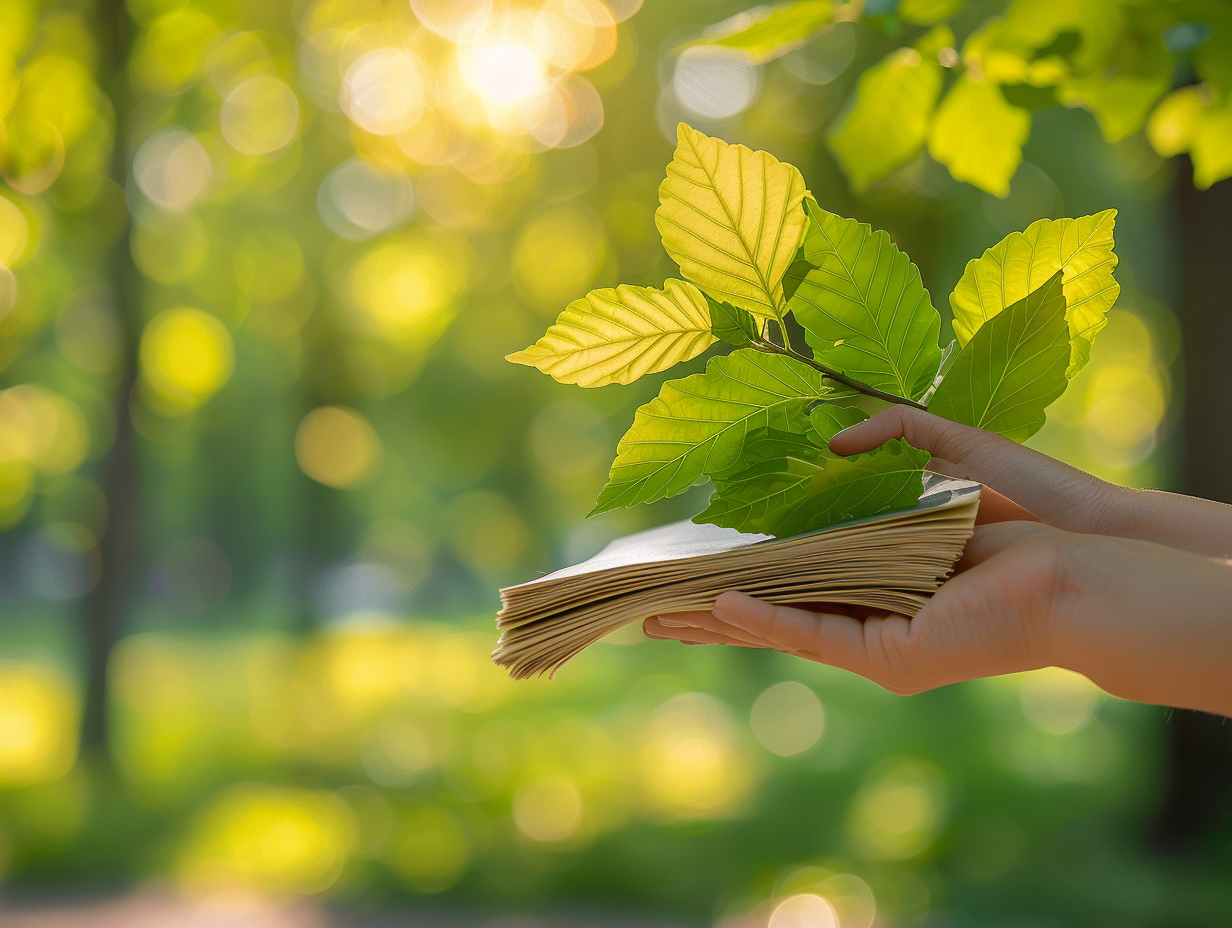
(732, 325)
(793, 484)
(770, 31)
(978, 136)
(1012, 369)
(1020, 262)
(1212, 145)
(864, 308)
(618, 335)
(732, 219)
(889, 117)
(696, 426)
(1173, 125)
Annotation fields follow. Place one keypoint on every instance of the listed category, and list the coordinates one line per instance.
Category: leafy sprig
(754, 248)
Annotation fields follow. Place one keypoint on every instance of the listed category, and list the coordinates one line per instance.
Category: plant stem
(858, 386)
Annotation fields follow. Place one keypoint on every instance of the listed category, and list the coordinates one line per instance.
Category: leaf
(618, 335)
(794, 485)
(978, 136)
(864, 308)
(927, 12)
(828, 419)
(1212, 145)
(888, 119)
(1122, 92)
(732, 219)
(734, 326)
(697, 426)
(1020, 262)
(1013, 368)
(1172, 126)
(768, 32)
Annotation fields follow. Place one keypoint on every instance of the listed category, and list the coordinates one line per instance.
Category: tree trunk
(1199, 776)
(104, 608)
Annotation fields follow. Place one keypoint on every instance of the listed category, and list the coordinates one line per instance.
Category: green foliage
(768, 32)
(758, 421)
(1012, 369)
(734, 326)
(696, 427)
(1108, 57)
(888, 119)
(1080, 248)
(864, 308)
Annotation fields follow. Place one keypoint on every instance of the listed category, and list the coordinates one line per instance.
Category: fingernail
(666, 623)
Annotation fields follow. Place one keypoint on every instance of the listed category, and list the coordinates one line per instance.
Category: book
(892, 561)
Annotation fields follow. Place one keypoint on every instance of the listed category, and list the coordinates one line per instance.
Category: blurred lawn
(254, 410)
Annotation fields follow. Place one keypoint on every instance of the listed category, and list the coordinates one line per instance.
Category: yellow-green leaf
(767, 32)
(1174, 123)
(888, 120)
(1212, 145)
(1022, 261)
(978, 136)
(732, 219)
(618, 335)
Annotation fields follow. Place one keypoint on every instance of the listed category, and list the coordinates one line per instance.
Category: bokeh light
(186, 356)
(899, 809)
(548, 809)
(260, 116)
(172, 168)
(38, 724)
(337, 447)
(787, 718)
(805, 910)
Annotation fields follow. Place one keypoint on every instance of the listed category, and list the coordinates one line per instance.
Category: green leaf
(1173, 125)
(864, 308)
(1122, 92)
(732, 219)
(927, 12)
(888, 118)
(1020, 262)
(618, 335)
(1012, 369)
(978, 136)
(828, 419)
(1212, 145)
(768, 32)
(697, 426)
(734, 326)
(794, 485)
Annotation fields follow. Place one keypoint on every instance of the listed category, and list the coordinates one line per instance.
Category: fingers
(940, 437)
(1054, 492)
(655, 628)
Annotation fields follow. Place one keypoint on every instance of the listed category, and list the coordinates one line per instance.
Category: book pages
(891, 562)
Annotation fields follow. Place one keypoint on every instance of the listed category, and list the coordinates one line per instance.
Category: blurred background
(263, 470)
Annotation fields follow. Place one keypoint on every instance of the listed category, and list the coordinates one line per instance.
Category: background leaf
(731, 218)
(864, 308)
(888, 120)
(770, 31)
(618, 335)
(1080, 248)
(1013, 368)
(828, 419)
(795, 485)
(696, 427)
(978, 136)
(732, 325)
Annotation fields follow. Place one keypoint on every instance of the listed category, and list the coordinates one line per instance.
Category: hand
(1061, 495)
(1143, 621)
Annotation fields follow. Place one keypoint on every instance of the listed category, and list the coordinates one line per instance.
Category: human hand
(1060, 495)
(1143, 621)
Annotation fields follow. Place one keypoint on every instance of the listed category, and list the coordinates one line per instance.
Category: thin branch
(857, 385)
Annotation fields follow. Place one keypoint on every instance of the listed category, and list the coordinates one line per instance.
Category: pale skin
(1132, 588)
